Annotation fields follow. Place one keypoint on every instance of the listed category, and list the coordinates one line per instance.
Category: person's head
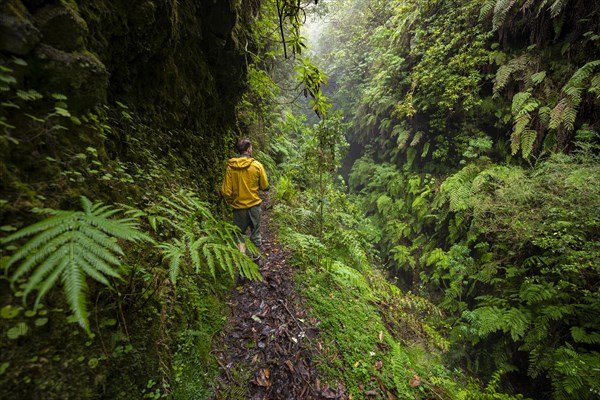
(244, 146)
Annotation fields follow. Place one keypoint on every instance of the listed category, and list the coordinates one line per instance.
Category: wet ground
(265, 349)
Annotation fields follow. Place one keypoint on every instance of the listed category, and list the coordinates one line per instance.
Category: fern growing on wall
(523, 137)
(565, 111)
(71, 246)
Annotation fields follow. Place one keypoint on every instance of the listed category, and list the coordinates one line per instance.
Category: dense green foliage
(375, 340)
(472, 127)
(480, 121)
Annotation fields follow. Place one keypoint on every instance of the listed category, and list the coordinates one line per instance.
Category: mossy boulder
(18, 35)
(62, 26)
(79, 76)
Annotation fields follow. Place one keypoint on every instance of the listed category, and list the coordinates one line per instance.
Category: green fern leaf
(417, 138)
(518, 101)
(580, 335)
(173, 252)
(70, 246)
(518, 64)
(557, 7)
(528, 138)
(486, 9)
(557, 113)
(75, 288)
(501, 9)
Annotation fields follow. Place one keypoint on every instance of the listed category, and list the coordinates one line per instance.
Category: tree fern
(70, 246)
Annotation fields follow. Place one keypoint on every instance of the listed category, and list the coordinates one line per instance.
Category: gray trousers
(248, 218)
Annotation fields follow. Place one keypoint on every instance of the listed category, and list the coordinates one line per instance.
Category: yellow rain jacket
(244, 177)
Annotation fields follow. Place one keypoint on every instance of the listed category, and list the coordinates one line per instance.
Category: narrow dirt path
(264, 351)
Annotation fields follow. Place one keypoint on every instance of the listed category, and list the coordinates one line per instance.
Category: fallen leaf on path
(262, 378)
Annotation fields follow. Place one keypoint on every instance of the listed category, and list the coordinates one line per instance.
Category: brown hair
(243, 145)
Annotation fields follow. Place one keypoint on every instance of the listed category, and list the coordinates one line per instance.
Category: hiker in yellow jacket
(243, 179)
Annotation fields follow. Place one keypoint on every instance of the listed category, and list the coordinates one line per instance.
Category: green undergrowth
(150, 339)
(355, 348)
(374, 340)
(147, 337)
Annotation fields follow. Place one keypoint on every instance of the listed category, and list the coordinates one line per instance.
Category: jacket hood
(240, 162)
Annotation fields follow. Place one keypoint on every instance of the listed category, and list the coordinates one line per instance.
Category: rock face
(18, 35)
(142, 89)
(81, 77)
(62, 26)
(107, 50)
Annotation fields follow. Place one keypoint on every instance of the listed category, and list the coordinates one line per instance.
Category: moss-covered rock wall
(173, 64)
(121, 101)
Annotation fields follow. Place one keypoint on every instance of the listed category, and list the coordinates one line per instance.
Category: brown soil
(265, 350)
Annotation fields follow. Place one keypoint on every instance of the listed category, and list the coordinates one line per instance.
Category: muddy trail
(264, 351)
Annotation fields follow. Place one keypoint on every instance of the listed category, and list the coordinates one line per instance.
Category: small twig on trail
(224, 369)
(291, 315)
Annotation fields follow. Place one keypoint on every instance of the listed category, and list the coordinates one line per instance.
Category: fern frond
(517, 64)
(87, 206)
(582, 74)
(457, 189)
(92, 235)
(75, 288)
(528, 137)
(173, 252)
(210, 260)
(56, 258)
(595, 86)
(417, 138)
(49, 282)
(71, 245)
(557, 7)
(486, 9)
(347, 276)
(565, 111)
(501, 9)
(91, 271)
(403, 137)
(580, 335)
(56, 228)
(518, 101)
(48, 224)
(100, 264)
(34, 258)
(556, 114)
